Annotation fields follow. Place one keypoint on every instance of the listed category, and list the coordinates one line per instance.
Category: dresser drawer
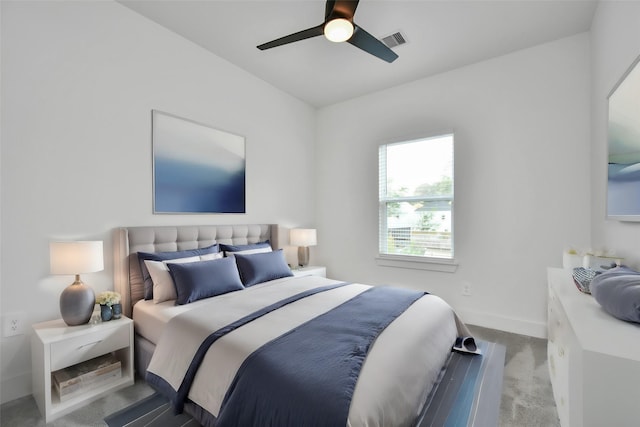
(87, 346)
(558, 360)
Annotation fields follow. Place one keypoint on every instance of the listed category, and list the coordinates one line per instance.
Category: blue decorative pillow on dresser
(618, 292)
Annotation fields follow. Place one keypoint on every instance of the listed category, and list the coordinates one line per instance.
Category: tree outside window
(416, 198)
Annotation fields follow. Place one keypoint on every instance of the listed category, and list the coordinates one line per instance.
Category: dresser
(594, 359)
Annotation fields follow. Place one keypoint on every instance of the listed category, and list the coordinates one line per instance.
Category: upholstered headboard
(128, 241)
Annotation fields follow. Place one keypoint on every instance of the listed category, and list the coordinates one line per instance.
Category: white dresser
(594, 359)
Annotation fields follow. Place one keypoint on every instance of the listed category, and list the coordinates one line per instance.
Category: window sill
(418, 263)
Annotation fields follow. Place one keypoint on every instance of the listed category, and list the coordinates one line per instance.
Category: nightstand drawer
(87, 346)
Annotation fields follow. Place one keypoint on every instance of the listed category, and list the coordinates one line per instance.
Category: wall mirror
(623, 177)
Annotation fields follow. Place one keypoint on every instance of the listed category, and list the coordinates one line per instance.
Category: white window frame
(442, 264)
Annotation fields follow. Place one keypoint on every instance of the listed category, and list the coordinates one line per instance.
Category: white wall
(79, 80)
(521, 124)
(615, 44)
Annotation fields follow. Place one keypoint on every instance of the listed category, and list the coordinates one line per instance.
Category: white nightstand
(54, 346)
(310, 270)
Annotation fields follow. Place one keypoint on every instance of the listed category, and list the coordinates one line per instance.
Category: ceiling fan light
(338, 30)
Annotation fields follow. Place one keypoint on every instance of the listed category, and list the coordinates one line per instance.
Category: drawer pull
(87, 345)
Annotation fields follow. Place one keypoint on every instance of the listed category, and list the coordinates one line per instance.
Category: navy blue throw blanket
(307, 376)
(178, 397)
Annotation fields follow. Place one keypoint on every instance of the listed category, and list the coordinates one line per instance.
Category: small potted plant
(110, 306)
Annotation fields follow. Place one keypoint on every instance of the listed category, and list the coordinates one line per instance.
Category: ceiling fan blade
(300, 35)
(365, 41)
(340, 9)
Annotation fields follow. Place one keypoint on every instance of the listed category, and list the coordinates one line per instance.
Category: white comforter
(395, 379)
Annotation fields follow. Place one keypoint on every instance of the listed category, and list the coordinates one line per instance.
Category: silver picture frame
(623, 137)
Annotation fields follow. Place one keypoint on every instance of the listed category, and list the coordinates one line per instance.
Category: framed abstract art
(196, 168)
(623, 175)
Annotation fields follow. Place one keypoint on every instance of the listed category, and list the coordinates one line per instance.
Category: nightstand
(55, 346)
(310, 270)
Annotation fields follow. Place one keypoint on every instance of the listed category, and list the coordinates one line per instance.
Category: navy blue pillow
(618, 292)
(204, 279)
(163, 256)
(262, 267)
(250, 246)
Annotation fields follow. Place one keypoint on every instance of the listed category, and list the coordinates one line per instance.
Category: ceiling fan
(338, 26)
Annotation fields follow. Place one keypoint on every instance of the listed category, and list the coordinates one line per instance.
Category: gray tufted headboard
(128, 241)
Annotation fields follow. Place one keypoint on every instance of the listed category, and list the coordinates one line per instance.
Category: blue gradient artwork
(623, 184)
(196, 168)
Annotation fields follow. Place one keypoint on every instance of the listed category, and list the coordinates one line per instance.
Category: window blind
(416, 197)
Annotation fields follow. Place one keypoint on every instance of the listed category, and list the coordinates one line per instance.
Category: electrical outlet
(13, 324)
(466, 289)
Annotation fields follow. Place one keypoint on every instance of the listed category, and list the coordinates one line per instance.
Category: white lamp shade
(303, 237)
(76, 257)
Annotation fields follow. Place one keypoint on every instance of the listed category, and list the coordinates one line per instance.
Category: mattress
(150, 318)
(397, 375)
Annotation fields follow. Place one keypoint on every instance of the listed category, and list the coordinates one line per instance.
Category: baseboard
(15, 387)
(507, 324)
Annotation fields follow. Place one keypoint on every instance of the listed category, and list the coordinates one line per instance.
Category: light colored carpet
(527, 399)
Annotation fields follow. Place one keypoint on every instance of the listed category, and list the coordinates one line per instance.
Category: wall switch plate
(13, 324)
(466, 289)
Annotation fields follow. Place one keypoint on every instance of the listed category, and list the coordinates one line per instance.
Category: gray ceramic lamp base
(76, 303)
(303, 256)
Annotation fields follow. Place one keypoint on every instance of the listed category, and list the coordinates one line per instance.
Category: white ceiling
(442, 35)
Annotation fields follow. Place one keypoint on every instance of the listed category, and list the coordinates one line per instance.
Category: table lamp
(77, 300)
(303, 238)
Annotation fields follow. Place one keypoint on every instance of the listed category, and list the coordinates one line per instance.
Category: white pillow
(207, 257)
(250, 251)
(163, 287)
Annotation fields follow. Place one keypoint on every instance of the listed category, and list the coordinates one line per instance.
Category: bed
(255, 334)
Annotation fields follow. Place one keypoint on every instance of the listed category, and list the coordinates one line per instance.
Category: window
(416, 199)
